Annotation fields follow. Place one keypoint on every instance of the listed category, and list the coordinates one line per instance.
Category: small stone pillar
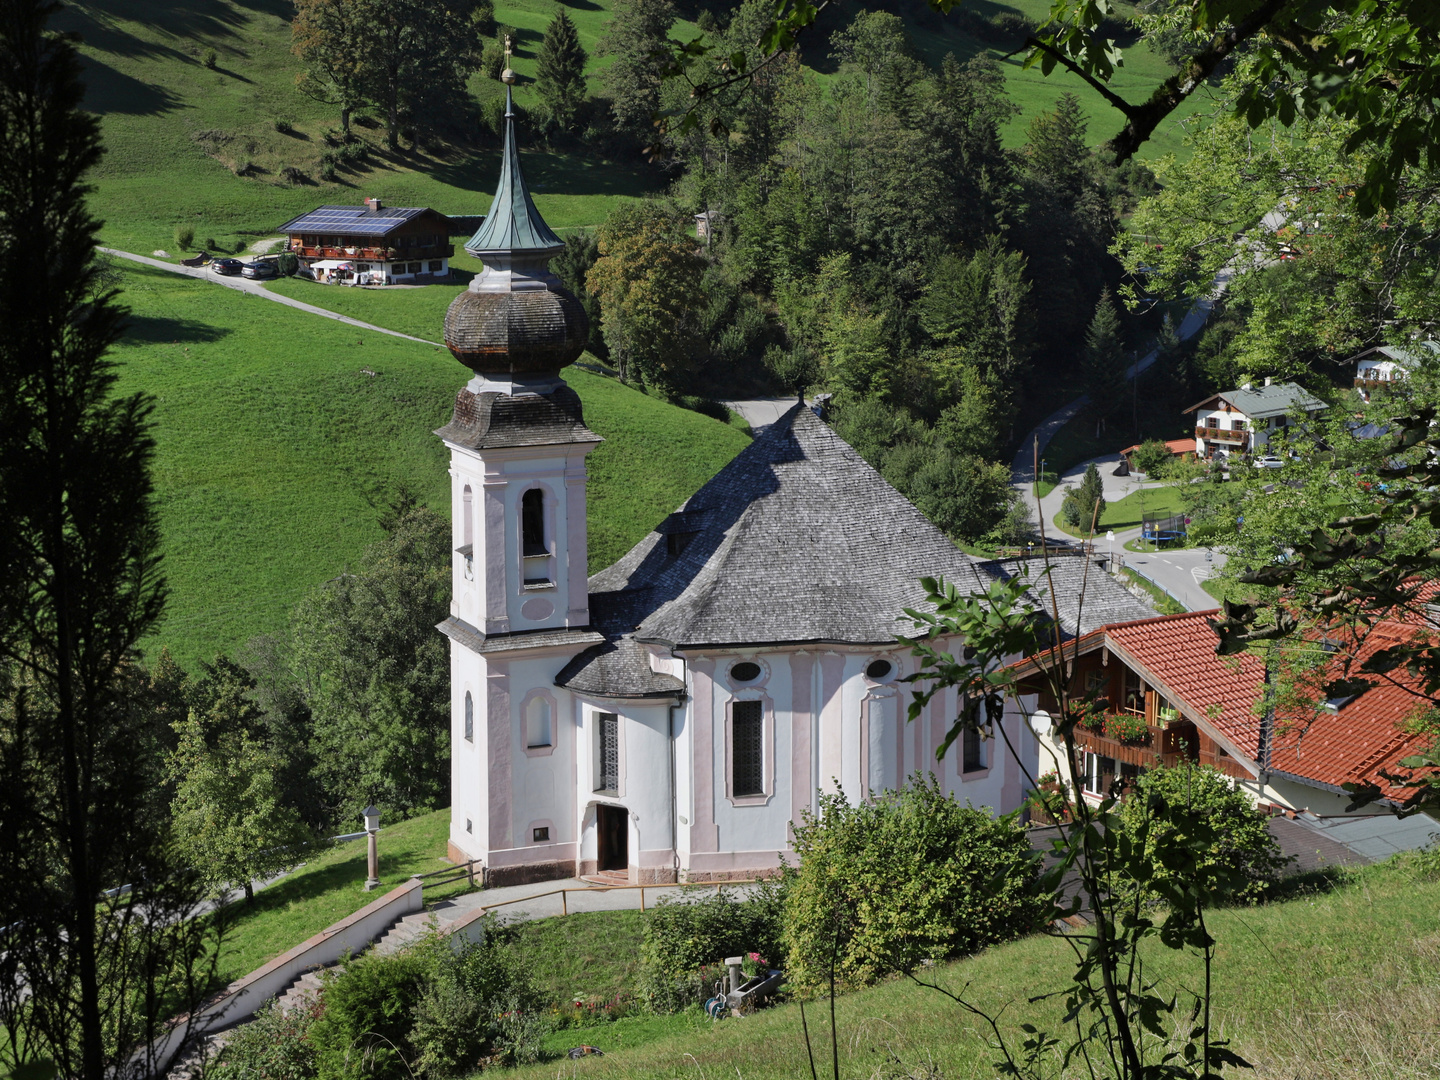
(736, 976)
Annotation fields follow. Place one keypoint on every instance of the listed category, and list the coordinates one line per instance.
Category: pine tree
(1104, 363)
(560, 72)
(636, 39)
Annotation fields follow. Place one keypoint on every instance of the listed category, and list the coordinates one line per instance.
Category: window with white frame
(1098, 772)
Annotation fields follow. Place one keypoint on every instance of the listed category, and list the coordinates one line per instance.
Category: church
(668, 718)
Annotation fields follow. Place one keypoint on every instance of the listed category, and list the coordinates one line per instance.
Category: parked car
(226, 266)
(1269, 461)
(260, 268)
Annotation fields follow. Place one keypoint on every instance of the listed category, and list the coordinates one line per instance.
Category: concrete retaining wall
(350, 935)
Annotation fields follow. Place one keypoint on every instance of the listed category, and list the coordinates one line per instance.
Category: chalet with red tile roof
(1163, 695)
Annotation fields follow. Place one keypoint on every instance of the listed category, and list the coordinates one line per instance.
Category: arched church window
(469, 717)
(537, 722)
(467, 516)
(532, 523)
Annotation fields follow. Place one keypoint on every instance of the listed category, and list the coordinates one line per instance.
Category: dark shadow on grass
(147, 329)
(581, 5)
(1311, 883)
(110, 91)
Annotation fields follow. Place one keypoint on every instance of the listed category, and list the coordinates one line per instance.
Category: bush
(211, 60)
(275, 1045)
(284, 125)
(912, 876)
(327, 169)
(1152, 457)
(687, 941)
(184, 237)
(292, 175)
(286, 264)
(1240, 866)
(364, 1029)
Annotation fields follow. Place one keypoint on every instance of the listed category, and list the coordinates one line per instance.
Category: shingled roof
(799, 540)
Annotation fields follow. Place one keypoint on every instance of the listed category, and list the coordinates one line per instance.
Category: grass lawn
(1125, 514)
(329, 887)
(1329, 985)
(589, 956)
(281, 435)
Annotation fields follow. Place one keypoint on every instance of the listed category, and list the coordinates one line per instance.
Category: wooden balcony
(375, 254)
(1240, 439)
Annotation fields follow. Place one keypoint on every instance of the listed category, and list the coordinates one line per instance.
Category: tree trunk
(345, 119)
(392, 94)
(249, 890)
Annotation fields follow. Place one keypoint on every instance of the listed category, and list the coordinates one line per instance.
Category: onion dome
(516, 323)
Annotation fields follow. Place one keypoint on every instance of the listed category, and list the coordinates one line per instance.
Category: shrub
(1152, 457)
(292, 175)
(703, 405)
(911, 876)
(284, 125)
(327, 169)
(184, 237)
(210, 244)
(364, 1029)
(275, 1045)
(1240, 866)
(687, 940)
(211, 60)
(286, 264)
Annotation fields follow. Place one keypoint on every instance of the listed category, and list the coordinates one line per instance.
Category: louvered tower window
(609, 752)
(748, 750)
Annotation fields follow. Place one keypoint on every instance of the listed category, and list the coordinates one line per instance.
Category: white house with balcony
(1242, 421)
(1385, 365)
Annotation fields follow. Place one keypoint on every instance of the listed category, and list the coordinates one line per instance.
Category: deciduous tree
(648, 282)
(330, 38)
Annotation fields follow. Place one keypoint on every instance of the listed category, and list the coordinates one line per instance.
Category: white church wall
(469, 758)
(753, 824)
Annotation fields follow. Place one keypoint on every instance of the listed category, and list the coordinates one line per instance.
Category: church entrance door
(613, 831)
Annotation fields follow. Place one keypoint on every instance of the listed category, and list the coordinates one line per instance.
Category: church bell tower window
(534, 551)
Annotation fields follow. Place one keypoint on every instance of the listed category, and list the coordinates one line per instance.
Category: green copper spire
(513, 224)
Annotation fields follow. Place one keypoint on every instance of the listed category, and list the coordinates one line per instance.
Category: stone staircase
(415, 925)
(608, 877)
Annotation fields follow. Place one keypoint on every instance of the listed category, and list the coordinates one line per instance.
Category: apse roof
(799, 540)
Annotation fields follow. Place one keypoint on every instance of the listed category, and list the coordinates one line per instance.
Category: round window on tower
(746, 671)
(879, 670)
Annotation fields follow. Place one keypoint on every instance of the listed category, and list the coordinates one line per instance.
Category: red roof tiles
(1358, 741)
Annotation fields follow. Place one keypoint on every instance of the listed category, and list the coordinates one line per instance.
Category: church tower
(517, 438)
(517, 443)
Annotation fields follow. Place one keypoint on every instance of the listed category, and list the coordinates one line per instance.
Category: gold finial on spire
(508, 76)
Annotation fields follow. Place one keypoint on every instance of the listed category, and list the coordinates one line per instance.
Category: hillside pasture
(204, 148)
(282, 435)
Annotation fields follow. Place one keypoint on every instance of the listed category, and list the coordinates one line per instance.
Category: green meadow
(282, 435)
(177, 132)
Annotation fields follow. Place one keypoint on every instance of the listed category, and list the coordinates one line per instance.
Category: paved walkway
(257, 288)
(760, 413)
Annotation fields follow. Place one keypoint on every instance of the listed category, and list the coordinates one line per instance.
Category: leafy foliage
(275, 1045)
(686, 934)
(377, 676)
(910, 876)
(1242, 862)
(231, 819)
(647, 280)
